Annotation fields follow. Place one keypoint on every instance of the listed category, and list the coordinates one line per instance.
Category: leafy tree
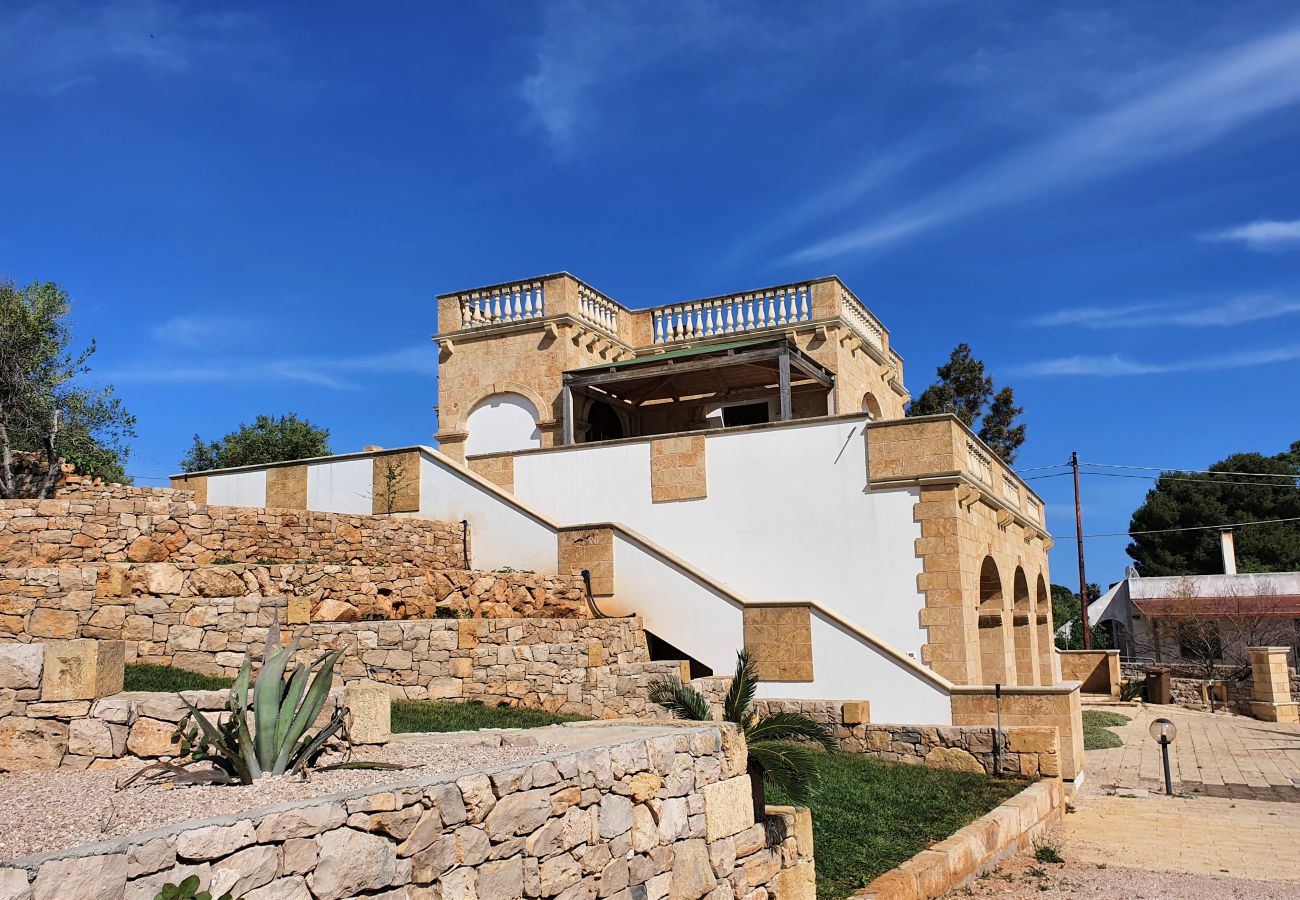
(1065, 611)
(42, 408)
(773, 759)
(269, 439)
(1188, 500)
(966, 391)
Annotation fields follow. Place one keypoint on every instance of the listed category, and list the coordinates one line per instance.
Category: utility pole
(1078, 533)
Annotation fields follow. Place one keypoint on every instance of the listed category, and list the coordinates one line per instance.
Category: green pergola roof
(681, 354)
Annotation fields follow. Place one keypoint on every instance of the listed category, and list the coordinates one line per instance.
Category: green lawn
(869, 816)
(422, 715)
(1096, 729)
(141, 677)
(408, 715)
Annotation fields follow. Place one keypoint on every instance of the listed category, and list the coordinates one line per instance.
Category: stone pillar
(1271, 685)
(591, 549)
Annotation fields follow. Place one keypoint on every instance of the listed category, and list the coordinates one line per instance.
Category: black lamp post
(1164, 731)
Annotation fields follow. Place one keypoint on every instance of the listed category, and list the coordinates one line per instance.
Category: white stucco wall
(788, 516)
(344, 486)
(502, 422)
(502, 534)
(238, 489)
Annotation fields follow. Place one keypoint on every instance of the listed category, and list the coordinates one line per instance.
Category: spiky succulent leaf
(292, 697)
(740, 696)
(785, 726)
(268, 695)
(302, 718)
(681, 700)
(789, 767)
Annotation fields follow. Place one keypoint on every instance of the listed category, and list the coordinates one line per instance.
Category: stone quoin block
(82, 670)
(369, 713)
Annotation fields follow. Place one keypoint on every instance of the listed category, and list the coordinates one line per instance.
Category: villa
(738, 472)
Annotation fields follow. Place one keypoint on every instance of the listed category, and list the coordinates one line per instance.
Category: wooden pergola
(699, 372)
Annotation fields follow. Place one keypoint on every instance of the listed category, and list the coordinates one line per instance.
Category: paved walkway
(1233, 757)
(1231, 830)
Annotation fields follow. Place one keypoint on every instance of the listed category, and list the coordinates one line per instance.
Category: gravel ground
(43, 811)
(1021, 878)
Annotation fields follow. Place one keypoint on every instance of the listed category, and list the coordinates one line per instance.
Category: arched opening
(1046, 634)
(500, 423)
(993, 643)
(871, 406)
(603, 424)
(1024, 627)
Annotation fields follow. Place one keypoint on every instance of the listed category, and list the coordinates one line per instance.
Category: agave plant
(778, 754)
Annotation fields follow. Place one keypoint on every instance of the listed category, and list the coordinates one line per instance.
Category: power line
(1190, 528)
(1173, 478)
(1293, 477)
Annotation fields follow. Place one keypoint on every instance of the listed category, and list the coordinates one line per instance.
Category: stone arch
(992, 626)
(871, 406)
(501, 422)
(1024, 627)
(604, 422)
(1046, 633)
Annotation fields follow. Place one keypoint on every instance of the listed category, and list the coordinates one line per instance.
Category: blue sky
(254, 205)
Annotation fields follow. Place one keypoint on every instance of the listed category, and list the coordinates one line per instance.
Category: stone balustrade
(732, 314)
(502, 303)
(596, 308)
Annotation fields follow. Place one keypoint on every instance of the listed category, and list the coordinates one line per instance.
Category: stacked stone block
(98, 529)
(667, 815)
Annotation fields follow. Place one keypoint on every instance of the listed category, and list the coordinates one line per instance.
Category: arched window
(502, 422)
(603, 424)
(993, 644)
(1046, 635)
(1025, 625)
(871, 406)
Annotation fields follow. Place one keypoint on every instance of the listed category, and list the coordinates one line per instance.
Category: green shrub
(187, 890)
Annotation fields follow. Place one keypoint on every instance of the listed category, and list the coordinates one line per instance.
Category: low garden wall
(646, 813)
(1022, 750)
(143, 602)
(1189, 689)
(1006, 831)
(153, 529)
(1097, 670)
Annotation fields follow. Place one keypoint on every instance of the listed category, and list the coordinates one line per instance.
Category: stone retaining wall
(142, 602)
(1022, 750)
(1010, 829)
(151, 529)
(665, 815)
(1188, 688)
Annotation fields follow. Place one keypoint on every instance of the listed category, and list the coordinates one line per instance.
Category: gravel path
(43, 811)
(1023, 879)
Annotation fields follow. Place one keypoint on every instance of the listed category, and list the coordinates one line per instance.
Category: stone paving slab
(1207, 836)
(1225, 756)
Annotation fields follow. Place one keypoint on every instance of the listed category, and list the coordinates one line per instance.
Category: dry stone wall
(665, 815)
(152, 529)
(142, 602)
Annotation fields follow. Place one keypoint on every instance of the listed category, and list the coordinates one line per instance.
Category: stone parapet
(1010, 829)
(648, 815)
(1050, 707)
(159, 529)
(1097, 670)
(1271, 685)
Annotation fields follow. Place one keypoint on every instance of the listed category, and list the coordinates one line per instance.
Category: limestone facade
(988, 612)
(519, 338)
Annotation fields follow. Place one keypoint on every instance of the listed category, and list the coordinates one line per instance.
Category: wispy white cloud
(1236, 311)
(335, 373)
(1115, 365)
(201, 331)
(51, 46)
(1205, 100)
(1268, 235)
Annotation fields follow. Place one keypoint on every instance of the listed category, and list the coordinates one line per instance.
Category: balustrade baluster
(803, 304)
(780, 307)
(731, 317)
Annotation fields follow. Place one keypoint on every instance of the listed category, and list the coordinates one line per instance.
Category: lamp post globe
(1164, 732)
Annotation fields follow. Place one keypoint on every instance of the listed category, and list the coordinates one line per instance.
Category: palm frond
(789, 767)
(787, 726)
(744, 685)
(681, 700)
